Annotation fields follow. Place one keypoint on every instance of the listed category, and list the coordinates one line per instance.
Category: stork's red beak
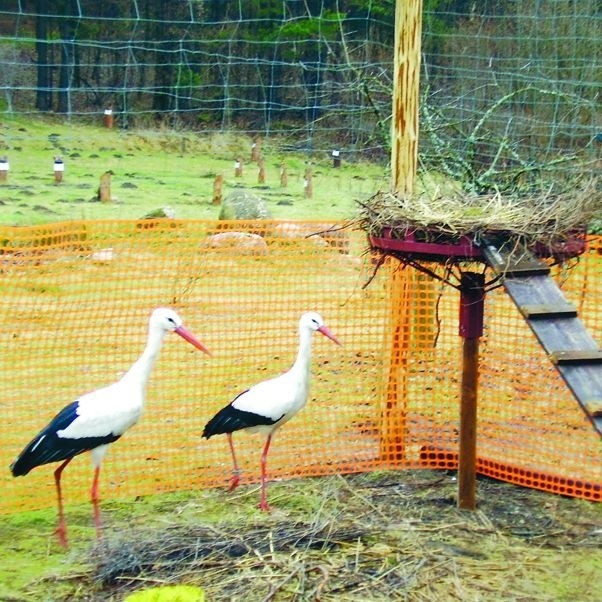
(324, 330)
(188, 336)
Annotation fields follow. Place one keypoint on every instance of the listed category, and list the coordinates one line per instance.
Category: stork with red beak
(268, 405)
(97, 419)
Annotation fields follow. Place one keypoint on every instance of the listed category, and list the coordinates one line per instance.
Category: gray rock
(242, 204)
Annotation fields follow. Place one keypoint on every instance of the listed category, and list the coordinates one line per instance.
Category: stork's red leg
(95, 500)
(61, 528)
(235, 480)
(263, 504)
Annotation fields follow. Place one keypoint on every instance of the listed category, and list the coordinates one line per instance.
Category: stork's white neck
(303, 361)
(140, 371)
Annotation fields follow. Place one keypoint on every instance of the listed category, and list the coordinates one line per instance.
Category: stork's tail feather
(229, 419)
(47, 448)
(34, 454)
(221, 423)
(19, 467)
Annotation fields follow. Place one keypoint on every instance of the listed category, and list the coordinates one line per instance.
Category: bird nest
(550, 224)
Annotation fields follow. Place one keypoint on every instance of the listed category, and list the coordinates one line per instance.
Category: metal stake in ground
(472, 302)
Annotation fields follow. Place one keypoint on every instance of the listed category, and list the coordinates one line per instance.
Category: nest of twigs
(547, 219)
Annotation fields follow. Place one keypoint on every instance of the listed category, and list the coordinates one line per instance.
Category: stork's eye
(172, 321)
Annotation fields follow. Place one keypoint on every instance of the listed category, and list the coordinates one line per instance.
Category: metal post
(472, 303)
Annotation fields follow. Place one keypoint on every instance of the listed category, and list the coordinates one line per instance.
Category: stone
(244, 205)
(243, 243)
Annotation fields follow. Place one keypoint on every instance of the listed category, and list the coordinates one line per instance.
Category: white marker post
(336, 158)
(4, 167)
(308, 184)
(108, 118)
(59, 168)
(238, 168)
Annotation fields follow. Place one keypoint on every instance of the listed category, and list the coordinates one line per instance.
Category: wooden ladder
(553, 320)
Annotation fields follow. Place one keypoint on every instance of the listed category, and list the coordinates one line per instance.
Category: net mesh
(75, 302)
(504, 83)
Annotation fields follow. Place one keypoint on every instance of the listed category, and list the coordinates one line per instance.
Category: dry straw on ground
(384, 536)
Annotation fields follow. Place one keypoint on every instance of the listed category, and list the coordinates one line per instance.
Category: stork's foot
(234, 481)
(61, 533)
(263, 505)
(97, 520)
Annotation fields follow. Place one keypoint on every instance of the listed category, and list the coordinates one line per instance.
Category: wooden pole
(108, 118)
(256, 149)
(393, 417)
(218, 184)
(238, 168)
(283, 175)
(308, 183)
(404, 139)
(261, 171)
(104, 190)
(472, 301)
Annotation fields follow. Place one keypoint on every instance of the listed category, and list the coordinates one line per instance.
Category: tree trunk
(67, 68)
(44, 75)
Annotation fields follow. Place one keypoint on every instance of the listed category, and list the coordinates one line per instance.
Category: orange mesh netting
(76, 298)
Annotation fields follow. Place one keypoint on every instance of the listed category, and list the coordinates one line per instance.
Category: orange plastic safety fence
(75, 303)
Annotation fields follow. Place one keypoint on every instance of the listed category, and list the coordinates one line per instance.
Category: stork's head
(167, 320)
(313, 322)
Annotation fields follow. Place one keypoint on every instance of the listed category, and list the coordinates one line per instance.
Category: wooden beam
(406, 84)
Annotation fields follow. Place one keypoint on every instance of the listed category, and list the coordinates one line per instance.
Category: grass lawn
(154, 169)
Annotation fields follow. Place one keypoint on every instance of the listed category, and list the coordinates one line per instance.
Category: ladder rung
(548, 310)
(594, 407)
(515, 262)
(525, 269)
(592, 356)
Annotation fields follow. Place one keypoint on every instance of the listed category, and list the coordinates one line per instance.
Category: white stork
(267, 405)
(99, 418)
